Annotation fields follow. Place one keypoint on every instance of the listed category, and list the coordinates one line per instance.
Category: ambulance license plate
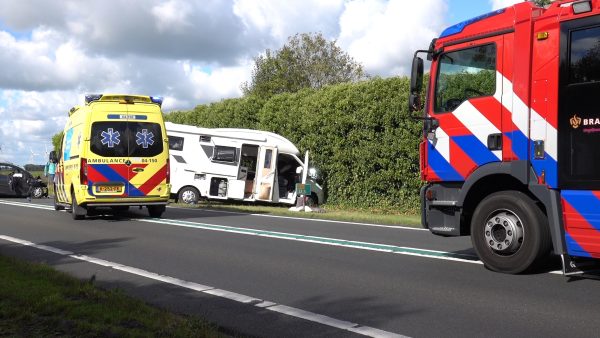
(108, 189)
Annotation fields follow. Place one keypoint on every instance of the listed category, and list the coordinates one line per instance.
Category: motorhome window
(465, 74)
(268, 158)
(175, 143)
(585, 55)
(126, 139)
(204, 138)
(224, 154)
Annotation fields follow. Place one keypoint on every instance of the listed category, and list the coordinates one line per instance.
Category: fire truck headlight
(582, 7)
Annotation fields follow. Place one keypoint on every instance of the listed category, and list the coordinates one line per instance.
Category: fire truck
(511, 134)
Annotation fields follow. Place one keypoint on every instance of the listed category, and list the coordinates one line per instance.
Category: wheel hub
(503, 232)
(188, 197)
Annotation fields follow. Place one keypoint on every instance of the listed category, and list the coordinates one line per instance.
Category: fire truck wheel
(188, 195)
(509, 232)
(77, 211)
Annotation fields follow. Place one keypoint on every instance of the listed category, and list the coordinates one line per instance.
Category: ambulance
(115, 154)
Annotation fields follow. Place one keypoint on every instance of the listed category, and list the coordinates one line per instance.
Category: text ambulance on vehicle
(511, 146)
(114, 153)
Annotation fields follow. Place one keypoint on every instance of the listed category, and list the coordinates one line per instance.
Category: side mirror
(299, 170)
(416, 75)
(416, 84)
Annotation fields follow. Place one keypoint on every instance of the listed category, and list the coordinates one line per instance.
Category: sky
(190, 52)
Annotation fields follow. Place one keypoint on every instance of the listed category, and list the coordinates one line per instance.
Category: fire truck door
(466, 101)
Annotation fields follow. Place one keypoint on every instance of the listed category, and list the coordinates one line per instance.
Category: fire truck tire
(509, 232)
(77, 211)
(188, 195)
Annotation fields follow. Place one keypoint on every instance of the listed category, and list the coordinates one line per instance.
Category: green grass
(37, 301)
(331, 213)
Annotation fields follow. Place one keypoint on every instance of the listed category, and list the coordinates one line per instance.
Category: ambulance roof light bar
(126, 99)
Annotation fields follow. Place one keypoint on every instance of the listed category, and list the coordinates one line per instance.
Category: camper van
(236, 164)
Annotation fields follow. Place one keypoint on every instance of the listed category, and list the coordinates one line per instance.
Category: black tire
(57, 206)
(77, 211)
(509, 232)
(156, 211)
(188, 195)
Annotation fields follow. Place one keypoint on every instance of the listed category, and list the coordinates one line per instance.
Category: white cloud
(499, 4)
(29, 119)
(189, 52)
(281, 19)
(172, 15)
(383, 35)
(219, 83)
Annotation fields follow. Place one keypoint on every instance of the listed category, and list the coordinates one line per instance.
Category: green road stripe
(319, 240)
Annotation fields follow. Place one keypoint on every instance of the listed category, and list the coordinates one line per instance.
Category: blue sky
(461, 10)
(191, 52)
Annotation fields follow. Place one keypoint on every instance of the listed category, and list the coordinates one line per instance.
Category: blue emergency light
(157, 99)
(92, 97)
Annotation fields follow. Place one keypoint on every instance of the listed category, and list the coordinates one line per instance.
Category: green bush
(359, 135)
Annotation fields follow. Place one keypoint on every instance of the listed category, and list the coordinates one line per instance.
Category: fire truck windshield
(465, 74)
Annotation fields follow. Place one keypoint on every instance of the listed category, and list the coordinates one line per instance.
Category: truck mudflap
(573, 266)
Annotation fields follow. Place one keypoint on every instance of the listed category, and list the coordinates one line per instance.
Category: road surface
(269, 276)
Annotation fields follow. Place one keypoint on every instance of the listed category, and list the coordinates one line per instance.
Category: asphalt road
(284, 277)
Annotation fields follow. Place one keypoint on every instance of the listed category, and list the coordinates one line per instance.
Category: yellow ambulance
(115, 154)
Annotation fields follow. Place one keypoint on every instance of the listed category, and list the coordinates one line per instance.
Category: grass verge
(331, 213)
(37, 301)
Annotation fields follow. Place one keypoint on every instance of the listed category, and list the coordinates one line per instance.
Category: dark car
(16, 181)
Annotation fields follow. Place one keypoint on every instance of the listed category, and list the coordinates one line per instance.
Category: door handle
(494, 141)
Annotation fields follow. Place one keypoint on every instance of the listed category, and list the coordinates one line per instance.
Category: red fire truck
(511, 137)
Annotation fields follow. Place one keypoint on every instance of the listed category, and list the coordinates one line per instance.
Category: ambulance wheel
(188, 195)
(509, 232)
(77, 211)
(56, 205)
(156, 211)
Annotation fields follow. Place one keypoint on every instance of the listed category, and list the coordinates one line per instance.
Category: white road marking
(287, 310)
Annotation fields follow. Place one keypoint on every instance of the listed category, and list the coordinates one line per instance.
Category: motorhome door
(265, 175)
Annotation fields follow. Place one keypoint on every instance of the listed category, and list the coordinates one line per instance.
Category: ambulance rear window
(126, 139)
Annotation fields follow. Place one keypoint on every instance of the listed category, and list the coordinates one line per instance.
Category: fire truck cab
(511, 134)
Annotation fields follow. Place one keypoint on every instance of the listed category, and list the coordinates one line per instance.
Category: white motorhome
(237, 164)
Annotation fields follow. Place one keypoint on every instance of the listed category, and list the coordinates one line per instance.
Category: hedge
(360, 136)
